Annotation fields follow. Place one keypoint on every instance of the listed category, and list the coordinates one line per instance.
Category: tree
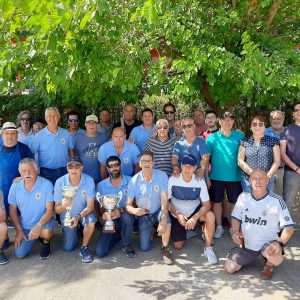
(98, 52)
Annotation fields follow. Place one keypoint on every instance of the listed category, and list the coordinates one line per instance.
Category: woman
(24, 125)
(258, 152)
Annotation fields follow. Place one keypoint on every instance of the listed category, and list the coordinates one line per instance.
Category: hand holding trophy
(69, 192)
(109, 203)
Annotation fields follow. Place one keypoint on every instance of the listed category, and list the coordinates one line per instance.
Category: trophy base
(109, 229)
(67, 223)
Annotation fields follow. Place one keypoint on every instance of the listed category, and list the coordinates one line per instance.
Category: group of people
(169, 176)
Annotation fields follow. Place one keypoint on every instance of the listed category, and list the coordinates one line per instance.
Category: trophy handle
(99, 198)
(119, 197)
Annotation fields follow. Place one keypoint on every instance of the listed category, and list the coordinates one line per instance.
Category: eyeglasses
(73, 120)
(296, 109)
(187, 126)
(146, 161)
(170, 112)
(260, 124)
(25, 119)
(72, 167)
(162, 127)
(115, 165)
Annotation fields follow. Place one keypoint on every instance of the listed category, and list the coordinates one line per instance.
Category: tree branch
(234, 2)
(273, 11)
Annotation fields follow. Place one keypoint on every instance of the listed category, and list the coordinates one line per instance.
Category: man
(290, 154)
(87, 145)
(105, 126)
(169, 111)
(128, 120)
(73, 124)
(162, 146)
(118, 146)
(52, 146)
(37, 125)
(189, 203)
(148, 189)
(11, 153)
(178, 130)
(82, 207)
(261, 216)
(225, 174)
(115, 184)
(211, 122)
(140, 134)
(31, 210)
(276, 121)
(199, 120)
(3, 230)
(190, 145)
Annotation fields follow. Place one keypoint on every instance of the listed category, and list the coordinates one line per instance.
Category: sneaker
(267, 272)
(10, 225)
(166, 256)
(3, 259)
(219, 231)
(210, 255)
(5, 244)
(190, 234)
(128, 251)
(86, 257)
(45, 250)
(225, 223)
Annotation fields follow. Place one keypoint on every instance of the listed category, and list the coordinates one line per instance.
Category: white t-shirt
(261, 219)
(186, 196)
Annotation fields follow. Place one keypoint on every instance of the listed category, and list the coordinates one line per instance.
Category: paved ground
(64, 276)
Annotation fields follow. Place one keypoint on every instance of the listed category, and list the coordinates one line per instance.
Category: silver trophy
(69, 192)
(109, 203)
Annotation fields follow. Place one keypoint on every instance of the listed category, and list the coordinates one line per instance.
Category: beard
(115, 174)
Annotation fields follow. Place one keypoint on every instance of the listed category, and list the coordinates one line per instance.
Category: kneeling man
(261, 216)
(189, 203)
(31, 210)
(82, 207)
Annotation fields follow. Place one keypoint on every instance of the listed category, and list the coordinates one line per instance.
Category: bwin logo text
(258, 221)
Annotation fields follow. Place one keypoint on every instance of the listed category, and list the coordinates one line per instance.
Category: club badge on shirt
(38, 196)
(156, 188)
(63, 141)
(83, 192)
(286, 218)
(126, 160)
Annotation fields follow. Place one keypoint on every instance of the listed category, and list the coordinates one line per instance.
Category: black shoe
(3, 259)
(5, 244)
(128, 251)
(45, 250)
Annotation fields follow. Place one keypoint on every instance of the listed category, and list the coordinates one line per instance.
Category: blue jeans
(146, 224)
(291, 184)
(107, 241)
(246, 185)
(53, 174)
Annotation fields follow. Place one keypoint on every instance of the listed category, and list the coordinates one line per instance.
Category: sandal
(267, 272)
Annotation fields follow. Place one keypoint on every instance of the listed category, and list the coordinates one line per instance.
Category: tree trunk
(273, 11)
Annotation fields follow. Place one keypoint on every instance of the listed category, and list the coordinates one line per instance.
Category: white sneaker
(210, 255)
(219, 231)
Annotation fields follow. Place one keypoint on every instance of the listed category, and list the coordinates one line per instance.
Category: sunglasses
(25, 119)
(73, 120)
(163, 127)
(187, 126)
(115, 165)
(72, 167)
(260, 124)
(296, 109)
(169, 112)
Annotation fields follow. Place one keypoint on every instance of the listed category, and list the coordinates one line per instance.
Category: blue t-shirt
(52, 149)
(270, 132)
(148, 191)
(224, 156)
(106, 188)
(86, 190)
(140, 135)
(129, 156)
(87, 149)
(31, 205)
(198, 149)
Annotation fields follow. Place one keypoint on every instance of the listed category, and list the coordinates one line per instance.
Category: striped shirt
(162, 152)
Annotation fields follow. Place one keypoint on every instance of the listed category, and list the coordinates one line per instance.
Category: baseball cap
(189, 160)
(74, 160)
(91, 118)
(227, 114)
(9, 126)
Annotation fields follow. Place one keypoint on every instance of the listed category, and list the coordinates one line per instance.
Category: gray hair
(27, 160)
(20, 115)
(162, 121)
(274, 112)
(47, 111)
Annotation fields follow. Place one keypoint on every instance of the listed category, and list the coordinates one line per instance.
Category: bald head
(259, 180)
(119, 137)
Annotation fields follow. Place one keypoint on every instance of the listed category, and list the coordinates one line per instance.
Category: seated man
(149, 190)
(3, 230)
(116, 184)
(82, 207)
(261, 216)
(31, 210)
(189, 203)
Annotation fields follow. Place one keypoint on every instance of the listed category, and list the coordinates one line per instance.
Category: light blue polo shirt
(32, 205)
(129, 156)
(270, 132)
(140, 135)
(198, 148)
(106, 188)
(139, 188)
(86, 189)
(224, 156)
(52, 149)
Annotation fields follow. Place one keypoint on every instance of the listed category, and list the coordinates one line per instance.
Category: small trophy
(69, 192)
(109, 202)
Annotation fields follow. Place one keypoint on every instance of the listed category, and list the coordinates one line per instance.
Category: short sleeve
(237, 210)
(102, 154)
(133, 134)
(12, 194)
(49, 192)
(285, 219)
(57, 191)
(204, 196)
(131, 189)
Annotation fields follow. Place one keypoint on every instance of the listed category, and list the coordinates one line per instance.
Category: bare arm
(13, 212)
(71, 152)
(241, 161)
(286, 234)
(134, 210)
(2, 215)
(276, 161)
(89, 207)
(286, 159)
(176, 169)
(103, 171)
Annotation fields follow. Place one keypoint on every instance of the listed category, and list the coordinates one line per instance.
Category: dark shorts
(233, 190)
(178, 232)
